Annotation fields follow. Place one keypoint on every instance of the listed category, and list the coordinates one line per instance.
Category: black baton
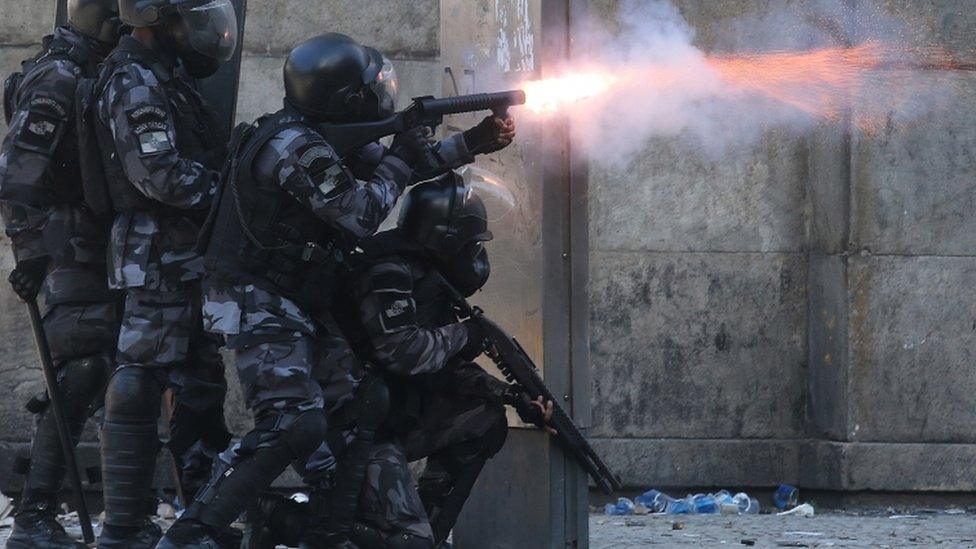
(54, 396)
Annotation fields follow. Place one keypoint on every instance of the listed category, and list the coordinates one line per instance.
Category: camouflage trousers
(450, 425)
(162, 330)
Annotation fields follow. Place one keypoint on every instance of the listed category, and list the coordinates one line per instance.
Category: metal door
(530, 495)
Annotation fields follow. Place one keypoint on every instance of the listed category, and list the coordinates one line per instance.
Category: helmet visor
(381, 78)
(211, 28)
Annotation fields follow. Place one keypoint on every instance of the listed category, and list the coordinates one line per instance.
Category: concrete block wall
(803, 313)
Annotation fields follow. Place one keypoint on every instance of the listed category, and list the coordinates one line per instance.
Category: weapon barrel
(473, 103)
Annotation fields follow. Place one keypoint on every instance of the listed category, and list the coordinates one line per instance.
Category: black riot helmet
(96, 19)
(332, 77)
(447, 219)
(201, 33)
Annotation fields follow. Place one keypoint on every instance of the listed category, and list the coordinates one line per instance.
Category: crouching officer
(159, 162)
(289, 209)
(59, 246)
(443, 406)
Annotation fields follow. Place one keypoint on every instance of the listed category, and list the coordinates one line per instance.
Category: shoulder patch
(46, 103)
(322, 165)
(42, 128)
(151, 126)
(396, 310)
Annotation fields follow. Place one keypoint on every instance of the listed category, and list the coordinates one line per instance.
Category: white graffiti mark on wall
(515, 49)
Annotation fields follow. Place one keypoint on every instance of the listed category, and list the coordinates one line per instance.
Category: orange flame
(550, 95)
(864, 81)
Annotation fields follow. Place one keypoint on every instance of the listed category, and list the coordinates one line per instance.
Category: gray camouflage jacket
(40, 188)
(354, 198)
(140, 106)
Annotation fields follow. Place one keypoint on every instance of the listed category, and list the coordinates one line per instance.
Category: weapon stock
(424, 111)
(517, 367)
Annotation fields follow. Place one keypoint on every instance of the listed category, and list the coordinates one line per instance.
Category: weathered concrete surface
(698, 345)
(24, 22)
(886, 467)
(914, 184)
(398, 28)
(912, 342)
(674, 198)
(658, 462)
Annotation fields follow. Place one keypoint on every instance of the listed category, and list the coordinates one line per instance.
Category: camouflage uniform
(160, 159)
(291, 357)
(46, 220)
(442, 407)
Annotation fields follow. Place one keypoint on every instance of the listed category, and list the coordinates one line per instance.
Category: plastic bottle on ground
(623, 507)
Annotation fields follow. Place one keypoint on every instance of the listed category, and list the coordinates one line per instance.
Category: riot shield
(220, 90)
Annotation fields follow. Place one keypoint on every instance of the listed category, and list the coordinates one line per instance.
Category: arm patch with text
(150, 124)
(322, 165)
(43, 127)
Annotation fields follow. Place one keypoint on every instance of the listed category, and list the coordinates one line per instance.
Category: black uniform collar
(80, 48)
(162, 65)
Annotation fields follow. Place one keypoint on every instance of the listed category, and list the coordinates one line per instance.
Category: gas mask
(469, 269)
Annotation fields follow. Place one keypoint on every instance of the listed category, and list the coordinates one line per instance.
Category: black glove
(476, 341)
(527, 412)
(28, 277)
(410, 146)
(486, 137)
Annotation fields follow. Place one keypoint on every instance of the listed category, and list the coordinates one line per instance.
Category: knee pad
(81, 380)
(132, 396)
(306, 433)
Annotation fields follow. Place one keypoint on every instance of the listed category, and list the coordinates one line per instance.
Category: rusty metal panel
(531, 494)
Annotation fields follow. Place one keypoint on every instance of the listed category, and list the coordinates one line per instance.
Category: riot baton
(54, 398)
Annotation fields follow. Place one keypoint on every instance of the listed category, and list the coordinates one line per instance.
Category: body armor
(259, 234)
(105, 181)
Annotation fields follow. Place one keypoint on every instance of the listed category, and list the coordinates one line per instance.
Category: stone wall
(803, 313)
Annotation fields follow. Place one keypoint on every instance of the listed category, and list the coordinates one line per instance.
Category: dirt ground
(928, 528)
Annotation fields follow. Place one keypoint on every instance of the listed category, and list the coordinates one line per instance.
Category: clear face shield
(381, 79)
(211, 28)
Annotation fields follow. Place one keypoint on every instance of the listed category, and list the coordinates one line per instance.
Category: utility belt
(305, 273)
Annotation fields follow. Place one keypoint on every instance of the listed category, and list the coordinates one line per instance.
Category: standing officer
(159, 159)
(59, 246)
(288, 213)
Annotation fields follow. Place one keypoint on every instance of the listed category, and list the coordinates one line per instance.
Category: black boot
(274, 520)
(129, 537)
(189, 534)
(35, 525)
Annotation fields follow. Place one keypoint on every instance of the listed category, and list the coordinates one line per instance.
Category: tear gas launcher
(424, 111)
(515, 364)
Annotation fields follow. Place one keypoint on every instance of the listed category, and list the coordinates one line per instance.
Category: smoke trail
(638, 74)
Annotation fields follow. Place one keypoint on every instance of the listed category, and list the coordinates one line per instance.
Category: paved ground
(824, 530)
(926, 529)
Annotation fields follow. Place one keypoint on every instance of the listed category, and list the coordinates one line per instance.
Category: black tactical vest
(62, 185)
(259, 234)
(105, 182)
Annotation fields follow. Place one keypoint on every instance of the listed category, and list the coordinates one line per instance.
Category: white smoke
(690, 102)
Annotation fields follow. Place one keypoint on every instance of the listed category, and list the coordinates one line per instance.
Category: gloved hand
(534, 412)
(490, 135)
(476, 341)
(410, 145)
(28, 277)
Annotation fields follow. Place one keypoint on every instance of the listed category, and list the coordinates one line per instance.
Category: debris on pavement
(805, 510)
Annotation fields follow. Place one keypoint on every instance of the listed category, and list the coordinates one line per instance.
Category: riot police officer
(289, 211)
(443, 406)
(59, 246)
(159, 160)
